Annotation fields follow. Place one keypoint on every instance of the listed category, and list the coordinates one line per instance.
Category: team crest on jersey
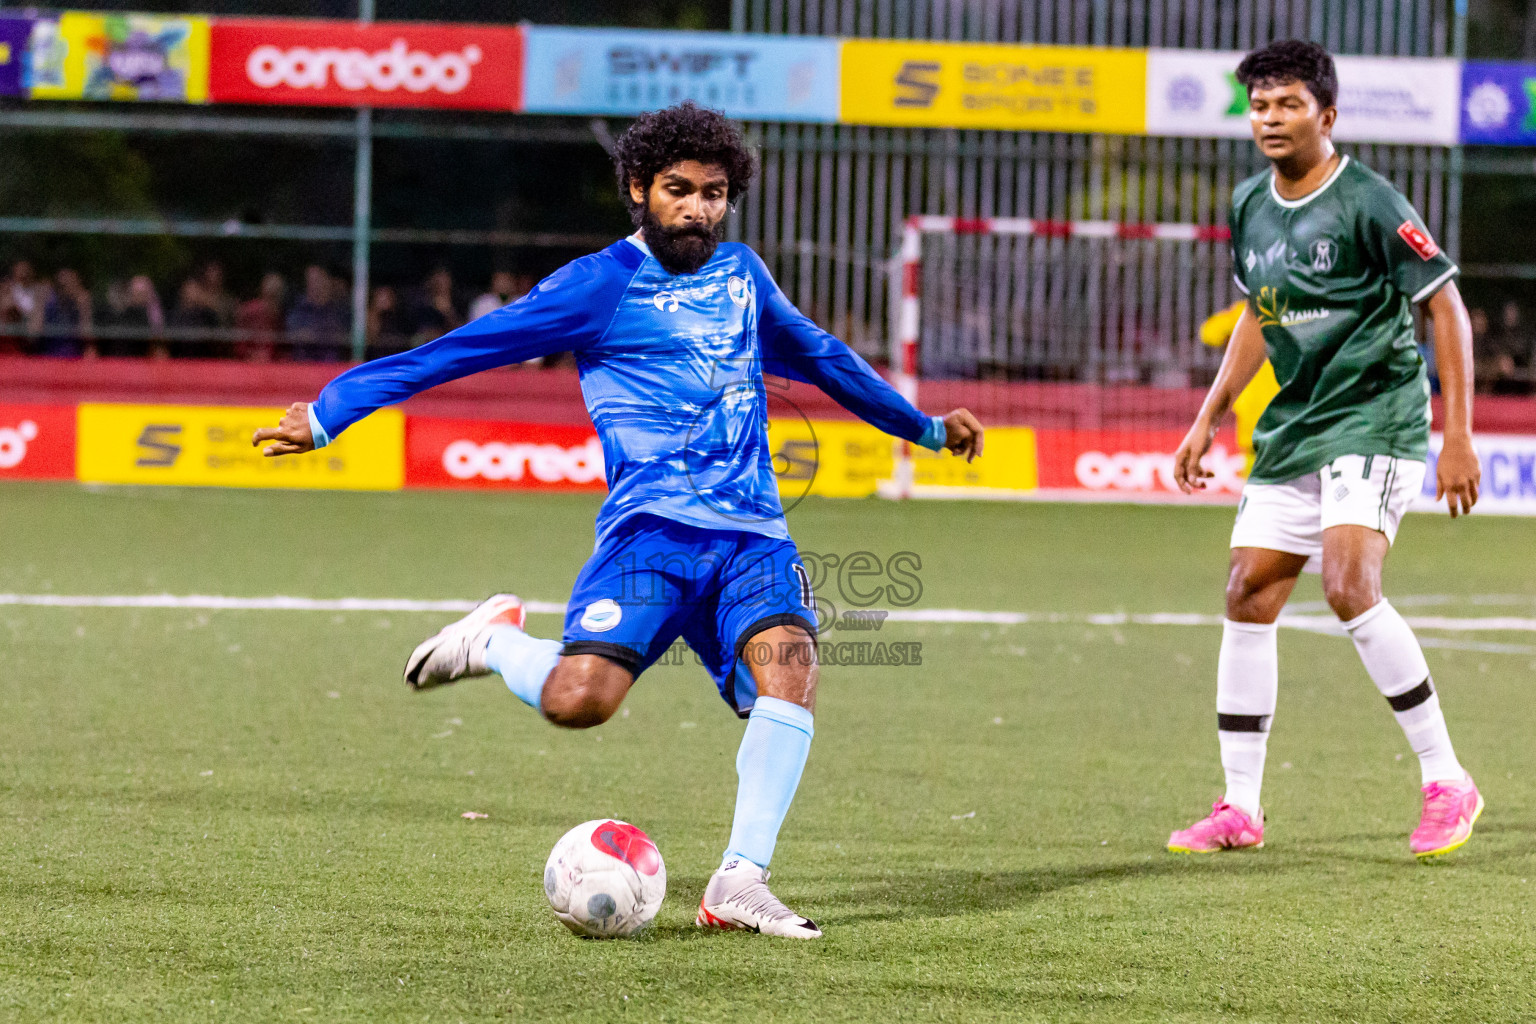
(739, 291)
(1324, 254)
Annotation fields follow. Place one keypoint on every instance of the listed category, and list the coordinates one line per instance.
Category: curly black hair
(687, 131)
(1291, 60)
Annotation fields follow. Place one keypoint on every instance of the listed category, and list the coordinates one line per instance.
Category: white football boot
(458, 649)
(737, 896)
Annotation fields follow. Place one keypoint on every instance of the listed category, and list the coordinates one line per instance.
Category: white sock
(1396, 665)
(523, 661)
(1247, 685)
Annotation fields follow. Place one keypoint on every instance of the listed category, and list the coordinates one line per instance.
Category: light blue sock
(523, 661)
(768, 767)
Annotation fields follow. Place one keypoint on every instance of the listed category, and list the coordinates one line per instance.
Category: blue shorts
(653, 580)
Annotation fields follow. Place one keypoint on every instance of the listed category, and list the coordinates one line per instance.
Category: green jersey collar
(1292, 204)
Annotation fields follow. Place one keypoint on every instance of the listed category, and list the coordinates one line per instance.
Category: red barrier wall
(554, 396)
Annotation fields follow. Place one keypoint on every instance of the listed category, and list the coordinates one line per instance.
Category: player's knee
(1246, 593)
(579, 700)
(1349, 594)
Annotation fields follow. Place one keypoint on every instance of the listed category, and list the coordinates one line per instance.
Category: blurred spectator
(135, 318)
(22, 297)
(1507, 361)
(389, 328)
(215, 296)
(69, 322)
(260, 320)
(434, 313)
(319, 321)
(194, 322)
(504, 289)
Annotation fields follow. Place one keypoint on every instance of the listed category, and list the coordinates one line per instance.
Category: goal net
(1077, 343)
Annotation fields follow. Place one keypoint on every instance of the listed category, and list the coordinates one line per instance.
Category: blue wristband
(316, 431)
(934, 437)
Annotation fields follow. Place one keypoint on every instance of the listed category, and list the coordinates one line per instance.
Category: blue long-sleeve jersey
(672, 372)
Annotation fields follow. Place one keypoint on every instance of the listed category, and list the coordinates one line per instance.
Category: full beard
(679, 250)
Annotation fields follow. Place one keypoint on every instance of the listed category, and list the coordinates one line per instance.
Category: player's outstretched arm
(1457, 473)
(1244, 356)
(963, 434)
(292, 436)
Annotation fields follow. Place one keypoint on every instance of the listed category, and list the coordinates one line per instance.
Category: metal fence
(827, 213)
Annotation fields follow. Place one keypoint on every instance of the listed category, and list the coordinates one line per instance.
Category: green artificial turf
(245, 816)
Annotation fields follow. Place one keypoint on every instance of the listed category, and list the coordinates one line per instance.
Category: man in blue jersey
(672, 332)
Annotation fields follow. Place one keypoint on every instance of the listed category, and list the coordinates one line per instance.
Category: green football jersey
(1333, 278)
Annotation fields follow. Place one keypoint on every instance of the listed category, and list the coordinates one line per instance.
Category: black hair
(1291, 60)
(662, 138)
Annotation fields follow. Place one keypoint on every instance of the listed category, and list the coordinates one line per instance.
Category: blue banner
(14, 34)
(626, 72)
(1498, 103)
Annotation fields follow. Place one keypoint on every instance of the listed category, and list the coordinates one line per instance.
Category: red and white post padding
(904, 344)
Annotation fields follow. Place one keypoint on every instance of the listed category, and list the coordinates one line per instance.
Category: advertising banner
(975, 85)
(1381, 99)
(489, 455)
(1498, 103)
(1509, 475)
(1132, 464)
(843, 459)
(143, 57)
(14, 36)
(210, 446)
(386, 64)
(625, 72)
(37, 442)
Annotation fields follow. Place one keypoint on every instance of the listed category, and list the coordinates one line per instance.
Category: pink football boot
(1450, 811)
(1225, 828)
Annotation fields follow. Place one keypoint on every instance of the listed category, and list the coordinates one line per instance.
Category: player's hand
(1187, 471)
(1457, 475)
(291, 436)
(963, 434)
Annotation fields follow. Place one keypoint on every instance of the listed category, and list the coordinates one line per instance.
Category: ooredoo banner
(1132, 464)
(1509, 475)
(134, 57)
(608, 71)
(1381, 99)
(385, 64)
(492, 455)
(37, 442)
(1498, 103)
(14, 35)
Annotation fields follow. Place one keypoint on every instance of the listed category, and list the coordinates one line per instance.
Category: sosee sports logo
(1418, 240)
(546, 463)
(397, 67)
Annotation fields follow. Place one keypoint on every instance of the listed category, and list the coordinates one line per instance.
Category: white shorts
(1353, 490)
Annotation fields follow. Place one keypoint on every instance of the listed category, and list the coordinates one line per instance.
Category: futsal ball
(605, 879)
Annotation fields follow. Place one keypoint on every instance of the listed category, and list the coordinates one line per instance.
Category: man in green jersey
(1332, 259)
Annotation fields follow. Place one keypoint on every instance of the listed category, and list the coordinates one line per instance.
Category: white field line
(210, 602)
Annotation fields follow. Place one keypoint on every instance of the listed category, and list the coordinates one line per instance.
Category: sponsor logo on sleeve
(1418, 240)
(601, 616)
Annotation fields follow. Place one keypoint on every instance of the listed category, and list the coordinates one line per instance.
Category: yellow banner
(980, 85)
(121, 57)
(840, 459)
(196, 445)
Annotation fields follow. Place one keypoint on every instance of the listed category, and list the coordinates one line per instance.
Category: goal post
(906, 293)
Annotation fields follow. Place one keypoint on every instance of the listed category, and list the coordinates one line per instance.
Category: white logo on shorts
(601, 616)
